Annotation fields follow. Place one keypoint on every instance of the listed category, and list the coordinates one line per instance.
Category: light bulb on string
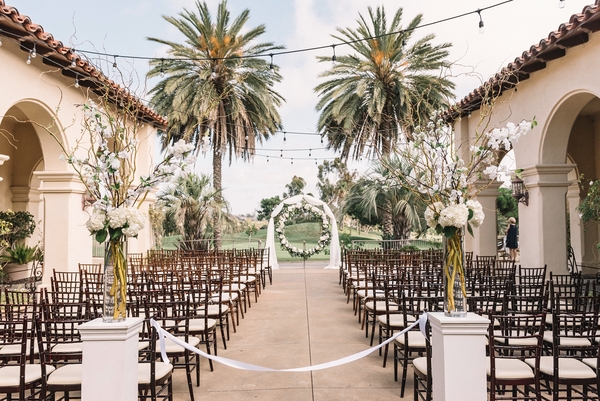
(281, 155)
(73, 62)
(561, 3)
(33, 52)
(284, 138)
(267, 159)
(271, 65)
(292, 161)
(333, 58)
(321, 140)
(28, 61)
(481, 24)
(115, 64)
(77, 81)
(316, 162)
(309, 152)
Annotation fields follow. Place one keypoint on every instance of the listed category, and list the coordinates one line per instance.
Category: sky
(122, 27)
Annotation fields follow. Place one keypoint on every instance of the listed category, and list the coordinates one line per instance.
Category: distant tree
(507, 205)
(266, 207)
(295, 187)
(335, 180)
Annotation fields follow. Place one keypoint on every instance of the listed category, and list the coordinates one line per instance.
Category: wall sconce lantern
(519, 192)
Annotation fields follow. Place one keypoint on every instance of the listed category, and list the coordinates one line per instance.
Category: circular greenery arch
(293, 210)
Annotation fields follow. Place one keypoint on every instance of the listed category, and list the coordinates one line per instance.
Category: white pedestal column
(110, 360)
(458, 360)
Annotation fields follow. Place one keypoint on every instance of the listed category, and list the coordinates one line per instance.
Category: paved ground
(302, 319)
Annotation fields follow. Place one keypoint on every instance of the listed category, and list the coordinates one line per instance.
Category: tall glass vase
(455, 292)
(115, 281)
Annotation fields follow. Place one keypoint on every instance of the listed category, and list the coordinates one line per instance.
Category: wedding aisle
(301, 320)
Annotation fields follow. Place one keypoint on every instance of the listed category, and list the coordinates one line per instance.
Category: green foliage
(507, 205)
(21, 224)
(295, 187)
(266, 207)
(590, 205)
(21, 254)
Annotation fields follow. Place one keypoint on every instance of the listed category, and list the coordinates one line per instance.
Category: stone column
(3, 158)
(483, 241)
(575, 223)
(458, 360)
(110, 360)
(543, 224)
(66, 240)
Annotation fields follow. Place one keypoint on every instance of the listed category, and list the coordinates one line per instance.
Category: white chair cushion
(66, 375)
(396, 320)
(68, 348)
(380, 306)
(161, 370)
(197, 325)
(591, 362)
(568, 341)
(173, 348)
(420, 365)
(510, 369)
(416, 339)
(568, 368)
(9, 375)
(16, 349)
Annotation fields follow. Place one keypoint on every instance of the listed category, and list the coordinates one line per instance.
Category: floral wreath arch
(334, 246)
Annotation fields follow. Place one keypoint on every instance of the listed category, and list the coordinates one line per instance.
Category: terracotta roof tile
(568, 35)
(20, 27)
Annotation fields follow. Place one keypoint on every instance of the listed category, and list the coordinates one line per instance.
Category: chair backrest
(531, 275)
(59, 339)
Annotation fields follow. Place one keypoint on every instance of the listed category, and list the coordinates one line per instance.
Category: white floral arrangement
(448, 184)
(108, 171)
(317, 213)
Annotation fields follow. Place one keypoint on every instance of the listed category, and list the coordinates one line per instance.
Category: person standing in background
(511, 238)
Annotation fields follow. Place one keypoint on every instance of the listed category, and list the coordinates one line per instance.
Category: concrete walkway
(302, 319)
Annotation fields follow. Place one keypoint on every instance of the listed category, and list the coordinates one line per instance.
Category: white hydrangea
(455, 215)
(117, 218)
(96, 221)
(431, 212)
(478, 215)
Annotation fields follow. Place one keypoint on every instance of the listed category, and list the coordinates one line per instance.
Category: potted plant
(16, 259)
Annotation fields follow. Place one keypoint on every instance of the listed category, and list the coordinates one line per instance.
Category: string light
(267, 159)
(73, 62)
(115, 63)
(561, 3)
(481, 24)
(28, 59)
(333, 58)
(162, 68)
(316, 162)
(292, 161)
(309, 152)
(309, 49)
(281, 155)
(77, 80)
(271, 65)
(284, 138)
(33, 52)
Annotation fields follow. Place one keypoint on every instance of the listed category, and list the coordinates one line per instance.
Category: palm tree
(377, 196)
(385, 88)
(193, 204)
(215, 90)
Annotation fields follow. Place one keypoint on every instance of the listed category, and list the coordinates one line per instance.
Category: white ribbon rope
(246, 366)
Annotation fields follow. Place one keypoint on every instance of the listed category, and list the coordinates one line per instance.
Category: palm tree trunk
(386, 216)
(217, 184)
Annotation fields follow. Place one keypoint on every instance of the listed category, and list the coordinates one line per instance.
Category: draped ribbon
(246, 366)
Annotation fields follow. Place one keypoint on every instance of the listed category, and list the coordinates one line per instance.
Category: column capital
(547, 175)
(96, 330)
(60, 182)
(472, 324)
(489, 188)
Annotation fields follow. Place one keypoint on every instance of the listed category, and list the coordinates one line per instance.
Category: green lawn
(296, 234)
